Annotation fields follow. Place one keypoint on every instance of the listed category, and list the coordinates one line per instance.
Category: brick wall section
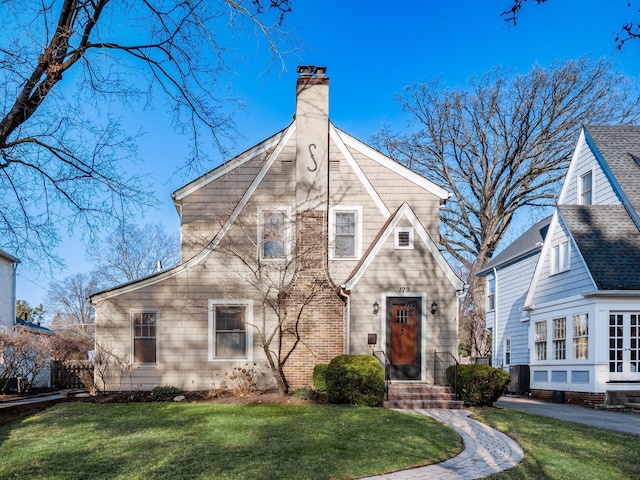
(315, 310)
(578, 398)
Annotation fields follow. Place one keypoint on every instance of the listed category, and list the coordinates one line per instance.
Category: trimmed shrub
(165, 393)
(320, 377)
(355, 380)
(479, 384)
(306, 393)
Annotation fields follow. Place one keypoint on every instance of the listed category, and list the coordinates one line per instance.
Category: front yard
(555, 449)
(205, 441)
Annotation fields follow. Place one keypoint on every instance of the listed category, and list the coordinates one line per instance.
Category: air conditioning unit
(519, 379)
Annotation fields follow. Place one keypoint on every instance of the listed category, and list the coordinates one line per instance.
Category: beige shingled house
(310, 230)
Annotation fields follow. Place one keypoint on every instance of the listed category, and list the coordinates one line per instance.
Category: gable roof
(609, 243)
(526, 244)
(617, 148)
(404, 211)
(274, 145)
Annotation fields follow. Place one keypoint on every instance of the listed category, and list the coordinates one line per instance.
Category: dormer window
(586, 189)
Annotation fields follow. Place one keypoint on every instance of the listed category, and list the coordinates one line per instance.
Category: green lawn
(555, 449)
(202, 441)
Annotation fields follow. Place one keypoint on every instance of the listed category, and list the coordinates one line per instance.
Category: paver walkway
(486, 451)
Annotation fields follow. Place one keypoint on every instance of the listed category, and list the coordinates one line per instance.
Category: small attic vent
(286, 166)
(636, 159)
(334, 165)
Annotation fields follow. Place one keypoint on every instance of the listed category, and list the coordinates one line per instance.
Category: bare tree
(503, 145)
(266, 266)
(629, 30)
(68, 300)
(134, 251)
(24, 355)
(65, 65)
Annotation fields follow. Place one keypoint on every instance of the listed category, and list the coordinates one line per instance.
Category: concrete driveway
(625, 422)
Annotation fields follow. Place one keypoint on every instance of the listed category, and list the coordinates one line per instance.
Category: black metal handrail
(442, 362)
(387, 371)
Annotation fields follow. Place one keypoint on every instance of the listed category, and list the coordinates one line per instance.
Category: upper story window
(491, 294)
(144, 326)
(345, 231)
(560, 258)
(404, 238)
(274, 233)
(586, 189)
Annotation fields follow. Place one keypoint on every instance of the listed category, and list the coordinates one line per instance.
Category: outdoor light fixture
(434, 307)
(376, 308)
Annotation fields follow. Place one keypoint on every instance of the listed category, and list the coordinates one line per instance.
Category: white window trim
(332, 231)
(396, 235)
(574, 337)
(248, 304)
(507, 349)
(131, 326)
(287, 232)
(579, 189)
(565, 262)
(489, 307)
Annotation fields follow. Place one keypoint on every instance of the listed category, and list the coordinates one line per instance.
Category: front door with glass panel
(404, 332)
(624, 346)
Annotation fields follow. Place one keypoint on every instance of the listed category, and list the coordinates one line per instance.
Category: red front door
(404, 334)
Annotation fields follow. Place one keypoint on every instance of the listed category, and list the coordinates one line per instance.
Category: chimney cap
(311, 71)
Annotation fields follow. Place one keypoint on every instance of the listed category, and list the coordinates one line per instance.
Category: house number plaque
(404, 289)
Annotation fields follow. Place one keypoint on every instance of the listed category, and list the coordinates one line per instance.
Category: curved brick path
(486, 451)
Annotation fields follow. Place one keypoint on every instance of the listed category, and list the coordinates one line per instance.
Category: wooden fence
(69, 374)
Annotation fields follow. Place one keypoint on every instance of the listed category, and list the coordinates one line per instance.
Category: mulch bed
(227, 397)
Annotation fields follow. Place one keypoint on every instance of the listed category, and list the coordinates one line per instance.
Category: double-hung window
(229, 329)
(144, 336)
(560, 258)
(586, 189)
(507, 351)
(274, 233)
(559, 338)
(345, 230)
(491, 294)
(581, 337)
(541, 340)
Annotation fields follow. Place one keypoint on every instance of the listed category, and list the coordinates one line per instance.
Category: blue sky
(373, 49)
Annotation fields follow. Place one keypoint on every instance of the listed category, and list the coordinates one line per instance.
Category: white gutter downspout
(494, 335)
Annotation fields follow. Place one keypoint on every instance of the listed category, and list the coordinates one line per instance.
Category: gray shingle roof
(609, 242)
(618, 144)
(526, 244)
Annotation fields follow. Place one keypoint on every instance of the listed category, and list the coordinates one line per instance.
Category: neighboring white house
(583, 303)
(8, 266)
(508, 277)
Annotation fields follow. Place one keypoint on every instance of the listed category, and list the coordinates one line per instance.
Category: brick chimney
(316, 335)
(312, 138)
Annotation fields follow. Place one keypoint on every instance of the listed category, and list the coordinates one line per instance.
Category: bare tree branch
(64, 64)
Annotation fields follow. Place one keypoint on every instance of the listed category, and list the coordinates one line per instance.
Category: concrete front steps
(408, 395)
